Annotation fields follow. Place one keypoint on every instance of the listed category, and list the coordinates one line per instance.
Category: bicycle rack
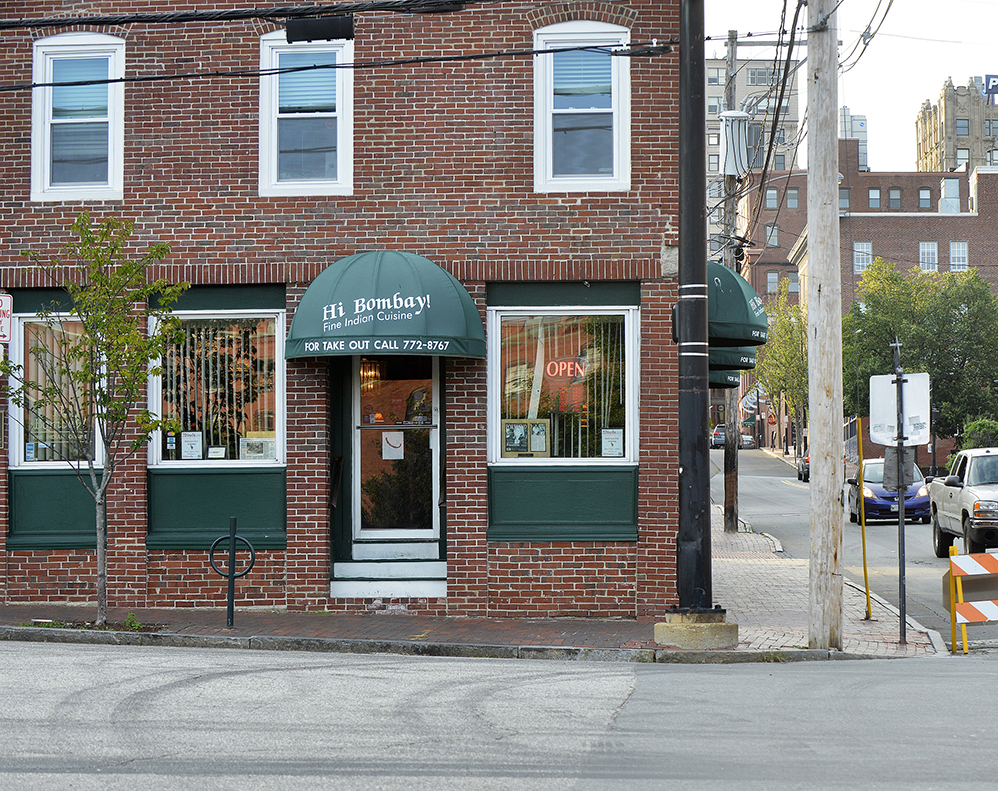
(230, 572)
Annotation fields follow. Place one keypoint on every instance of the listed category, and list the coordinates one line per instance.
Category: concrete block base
(696, 631)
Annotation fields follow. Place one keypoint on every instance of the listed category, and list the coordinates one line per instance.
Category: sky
(919, 45)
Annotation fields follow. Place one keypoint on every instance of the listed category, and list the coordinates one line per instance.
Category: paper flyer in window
(392, 445)
(613, 442)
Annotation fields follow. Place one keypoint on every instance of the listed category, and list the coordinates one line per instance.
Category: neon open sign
(567, 368)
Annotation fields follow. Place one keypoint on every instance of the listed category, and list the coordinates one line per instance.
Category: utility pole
(731, 429)
(824, 326)
(693, 570)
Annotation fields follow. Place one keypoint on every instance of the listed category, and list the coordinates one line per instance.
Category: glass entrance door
(396, 452)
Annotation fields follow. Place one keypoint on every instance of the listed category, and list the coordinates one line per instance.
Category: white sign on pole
(884, 409)
(6, 317)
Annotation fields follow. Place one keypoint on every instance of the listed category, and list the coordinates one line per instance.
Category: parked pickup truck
(965, 503)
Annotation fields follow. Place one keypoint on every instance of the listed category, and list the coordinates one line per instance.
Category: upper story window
(794, 286)
(843, 198)
(894, 198)
(714, 189)
(963, 126)
(772, 282)
(772, 236)
(924, 198)
(962, 156)
(874, 197)
(582, 135)
(792, 198)
(715, 75)
(713, 138)
(779, 162)
(759, 76)
(862, 256)
(989, 129)
(958, 257)
(928, 256)
(772, 199)
(77, 118)
(715, 105)
(306, 117)
(713, 162)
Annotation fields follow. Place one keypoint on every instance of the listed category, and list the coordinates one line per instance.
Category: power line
(274, 12)
(644, 49)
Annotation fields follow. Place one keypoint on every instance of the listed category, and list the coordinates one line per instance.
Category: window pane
(566, 376)
(309, 91)
(79, 101)
(583, 144)
(582, 80)
(307, 148)
(874, 198)
(771, 199)
(792, 198)
(219, 386)
(79, 153)
(48, 433)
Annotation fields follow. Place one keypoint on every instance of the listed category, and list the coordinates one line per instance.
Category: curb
(402, 647)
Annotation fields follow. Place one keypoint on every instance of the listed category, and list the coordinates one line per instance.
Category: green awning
(735, 314)
(735, 358)
(725, 380)
(386, 303)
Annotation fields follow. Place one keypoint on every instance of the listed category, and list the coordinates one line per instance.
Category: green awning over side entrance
(386, 303)
(735, 314)
(734, 358)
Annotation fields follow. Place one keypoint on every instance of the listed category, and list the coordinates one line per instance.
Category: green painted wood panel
(189, 509)
(50, 509)
(563, 504)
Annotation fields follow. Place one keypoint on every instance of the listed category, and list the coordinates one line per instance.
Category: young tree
(83, 383)
(781, 367)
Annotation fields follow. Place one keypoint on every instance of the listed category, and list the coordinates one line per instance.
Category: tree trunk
(101, 559)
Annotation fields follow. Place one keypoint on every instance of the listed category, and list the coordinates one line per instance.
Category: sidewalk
(764, 593)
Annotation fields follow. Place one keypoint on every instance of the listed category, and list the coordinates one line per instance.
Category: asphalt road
(772, 500)
(116, 717)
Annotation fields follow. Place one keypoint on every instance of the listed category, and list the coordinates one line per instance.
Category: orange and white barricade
(963, 612)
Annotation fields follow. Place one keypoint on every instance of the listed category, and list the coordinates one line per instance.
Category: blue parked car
(878, 503)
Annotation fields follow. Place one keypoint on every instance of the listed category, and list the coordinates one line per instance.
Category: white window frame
(772, 198)
(15, 414)
(862, 256)
(578, 34)
(792, 200)
(272, 45)
(632, 343)
(959, 256)
(67, 46)
(873, 198)
(772, 235)
(155, 392)
(928, 256)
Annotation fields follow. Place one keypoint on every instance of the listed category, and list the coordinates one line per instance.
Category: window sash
(874, 198)
(792, 198)
(862, 256)
(928, 256)
(958, 256)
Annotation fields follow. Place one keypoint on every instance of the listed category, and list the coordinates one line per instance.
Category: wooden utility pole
(731, 429)
(824, 327)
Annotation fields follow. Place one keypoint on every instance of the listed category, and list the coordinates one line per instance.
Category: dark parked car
(717, 438)
(878, 503)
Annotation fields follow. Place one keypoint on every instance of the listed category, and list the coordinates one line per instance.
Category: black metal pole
(230, 612)
(693, 549)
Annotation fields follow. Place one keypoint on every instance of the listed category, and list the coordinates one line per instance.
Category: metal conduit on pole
(693, 550)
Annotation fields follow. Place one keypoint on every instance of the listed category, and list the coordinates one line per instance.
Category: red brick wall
(443, 160)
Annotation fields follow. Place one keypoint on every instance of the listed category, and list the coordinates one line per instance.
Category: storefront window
(564, 387)
(48, 431)
(221, 386)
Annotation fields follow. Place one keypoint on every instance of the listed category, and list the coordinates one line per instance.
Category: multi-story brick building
(960, 131)
(757, 84)
(452, 275)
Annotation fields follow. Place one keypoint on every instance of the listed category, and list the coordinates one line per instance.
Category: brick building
(451, 279)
